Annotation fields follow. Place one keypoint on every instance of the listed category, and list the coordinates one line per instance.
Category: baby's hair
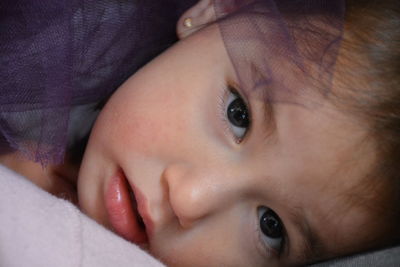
(367, 88)
(369, 74)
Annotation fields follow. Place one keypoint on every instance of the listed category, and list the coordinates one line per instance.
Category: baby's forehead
(342, 221)
(356, 222)
(322, 170)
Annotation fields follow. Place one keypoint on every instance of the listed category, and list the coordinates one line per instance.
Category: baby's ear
(195, 18)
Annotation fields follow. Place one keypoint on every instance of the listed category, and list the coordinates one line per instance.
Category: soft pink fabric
(38, 229)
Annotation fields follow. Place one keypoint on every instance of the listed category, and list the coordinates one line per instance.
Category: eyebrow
(311, 247)
(264, 91)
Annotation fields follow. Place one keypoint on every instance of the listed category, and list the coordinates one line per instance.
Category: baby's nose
(195, 194)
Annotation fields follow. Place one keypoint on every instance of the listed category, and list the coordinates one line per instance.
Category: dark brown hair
(371, 54)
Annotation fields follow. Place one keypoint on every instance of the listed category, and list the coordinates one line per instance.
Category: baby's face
(218, 180)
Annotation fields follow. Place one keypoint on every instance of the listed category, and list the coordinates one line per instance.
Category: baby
(201, 171)
(206, 157)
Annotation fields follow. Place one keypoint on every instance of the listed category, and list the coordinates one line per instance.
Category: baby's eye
(238, 115)
(271, 227)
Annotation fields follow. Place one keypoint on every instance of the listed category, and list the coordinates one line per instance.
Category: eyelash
(223, 98)
(264, 247)
(261, 244)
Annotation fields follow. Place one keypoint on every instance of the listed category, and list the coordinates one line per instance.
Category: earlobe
(195, 18)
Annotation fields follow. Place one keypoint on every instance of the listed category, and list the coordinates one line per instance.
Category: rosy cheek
(148, 123)
(143, 132)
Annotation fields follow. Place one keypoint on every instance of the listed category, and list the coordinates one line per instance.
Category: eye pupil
(271, 225)
(237, 113)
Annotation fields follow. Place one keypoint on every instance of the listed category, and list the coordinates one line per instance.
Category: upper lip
(142, 207)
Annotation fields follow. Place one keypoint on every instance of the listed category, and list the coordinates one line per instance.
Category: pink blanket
(38, 229)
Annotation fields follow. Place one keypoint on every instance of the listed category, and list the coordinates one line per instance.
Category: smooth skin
(167, 128)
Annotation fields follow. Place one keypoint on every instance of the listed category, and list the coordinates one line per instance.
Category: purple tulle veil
(60, 60)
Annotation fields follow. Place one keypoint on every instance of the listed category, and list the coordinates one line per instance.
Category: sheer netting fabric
(286, 49)
(59, 60)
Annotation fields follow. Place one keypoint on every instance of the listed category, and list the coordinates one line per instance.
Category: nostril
(184, 223)
(181, 193)
(168, 181)
(188, 193)
(184, 208)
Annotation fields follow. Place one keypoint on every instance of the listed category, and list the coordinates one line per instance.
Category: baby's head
(204, 165)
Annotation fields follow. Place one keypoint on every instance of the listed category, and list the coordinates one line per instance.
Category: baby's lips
(143, 210)
(120, 211)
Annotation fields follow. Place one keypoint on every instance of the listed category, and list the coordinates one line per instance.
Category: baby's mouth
(124, 208)
(139, 218)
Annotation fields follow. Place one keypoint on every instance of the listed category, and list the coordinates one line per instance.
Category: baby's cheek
(152, 122)
(143, 132)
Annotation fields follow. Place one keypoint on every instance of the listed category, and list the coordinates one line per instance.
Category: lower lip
(121, 214)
